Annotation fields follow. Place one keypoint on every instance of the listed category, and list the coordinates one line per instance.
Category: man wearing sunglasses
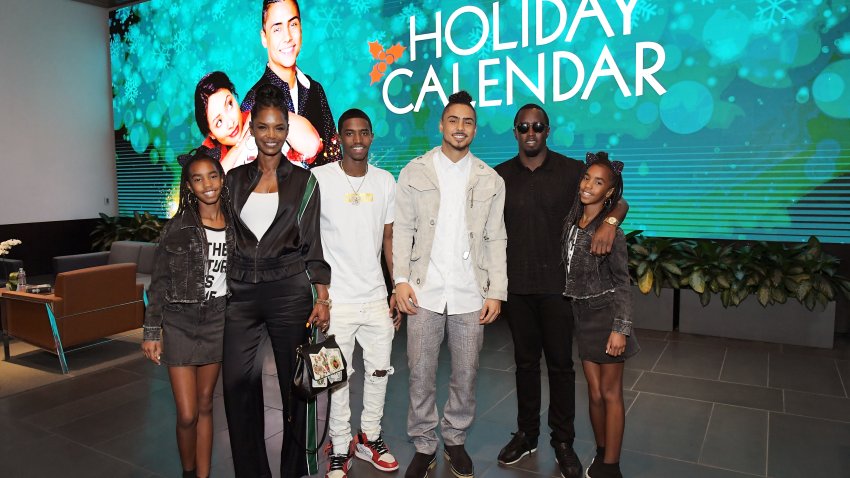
(540, 189)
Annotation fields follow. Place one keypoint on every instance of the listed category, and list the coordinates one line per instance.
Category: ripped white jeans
(371, 326)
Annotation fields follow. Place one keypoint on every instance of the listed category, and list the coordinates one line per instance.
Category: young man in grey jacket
(450, 272)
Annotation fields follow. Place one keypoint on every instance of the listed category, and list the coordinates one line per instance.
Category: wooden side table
(48, 300)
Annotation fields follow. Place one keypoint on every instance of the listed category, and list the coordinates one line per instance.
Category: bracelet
(327, 302)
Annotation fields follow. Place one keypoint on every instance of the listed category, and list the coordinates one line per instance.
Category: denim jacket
(590, 276)
(417, 205)
(180, 263)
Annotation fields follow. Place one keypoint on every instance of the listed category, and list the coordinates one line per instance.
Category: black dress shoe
(519, 446)
(189, 474)
(460, 461)
(568, 461)
(420, 464)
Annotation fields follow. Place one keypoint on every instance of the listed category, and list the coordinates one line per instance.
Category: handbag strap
(313, 451)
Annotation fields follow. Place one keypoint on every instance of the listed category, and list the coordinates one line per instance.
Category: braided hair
(188, 201)
(576, 211)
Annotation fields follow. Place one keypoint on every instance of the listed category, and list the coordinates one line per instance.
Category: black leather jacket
(180, 265)
(288, 247)
(591, 276)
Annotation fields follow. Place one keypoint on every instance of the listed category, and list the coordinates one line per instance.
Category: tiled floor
(697, 407)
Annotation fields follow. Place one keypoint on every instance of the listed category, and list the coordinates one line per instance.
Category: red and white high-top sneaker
(375, 452)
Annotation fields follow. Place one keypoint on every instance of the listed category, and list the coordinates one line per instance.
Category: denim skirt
(594, 317)
(193, 334)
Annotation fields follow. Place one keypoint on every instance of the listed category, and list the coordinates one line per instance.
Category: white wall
(56, 138)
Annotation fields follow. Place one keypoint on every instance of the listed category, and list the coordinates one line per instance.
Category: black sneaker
(567, 460)
(420, 464)
(519, 446)
(460, 461)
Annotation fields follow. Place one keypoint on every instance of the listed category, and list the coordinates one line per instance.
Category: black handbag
(319, 367)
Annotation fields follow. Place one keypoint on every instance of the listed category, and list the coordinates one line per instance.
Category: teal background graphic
(750, 141)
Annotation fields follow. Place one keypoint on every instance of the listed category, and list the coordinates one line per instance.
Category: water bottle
(22, 280)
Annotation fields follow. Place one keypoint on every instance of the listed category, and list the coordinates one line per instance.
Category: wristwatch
(612, 221)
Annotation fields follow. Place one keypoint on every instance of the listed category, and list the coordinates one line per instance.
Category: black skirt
(193, 334)
(594, 317)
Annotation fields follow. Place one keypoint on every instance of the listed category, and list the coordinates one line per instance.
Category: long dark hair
(616, 168)
(209, 84)
(188, 201)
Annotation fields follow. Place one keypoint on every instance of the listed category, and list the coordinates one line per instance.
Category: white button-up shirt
(450, 284)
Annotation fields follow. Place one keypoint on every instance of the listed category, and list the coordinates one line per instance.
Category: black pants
(277, 310)
(543, 322)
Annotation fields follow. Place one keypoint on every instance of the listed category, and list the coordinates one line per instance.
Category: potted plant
(653, 268)
(754, 282)
(141, 227)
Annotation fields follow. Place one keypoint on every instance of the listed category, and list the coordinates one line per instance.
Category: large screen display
(731, 117)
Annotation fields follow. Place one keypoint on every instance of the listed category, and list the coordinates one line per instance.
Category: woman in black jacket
(184, 320)
(274, 272)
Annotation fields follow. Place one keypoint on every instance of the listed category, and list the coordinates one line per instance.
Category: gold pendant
(355, 199)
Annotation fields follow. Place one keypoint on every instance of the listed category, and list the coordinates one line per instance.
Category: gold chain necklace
(355, 198)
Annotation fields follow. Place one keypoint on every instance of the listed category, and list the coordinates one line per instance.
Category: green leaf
(764, 295)
(671, 267)
(645, 282)
(697, 281)
(640, 250)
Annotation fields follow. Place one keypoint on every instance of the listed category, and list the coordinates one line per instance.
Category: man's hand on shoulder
(603, 239)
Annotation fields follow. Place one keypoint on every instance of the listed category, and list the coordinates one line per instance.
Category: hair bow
(602, 157)
(617, 166)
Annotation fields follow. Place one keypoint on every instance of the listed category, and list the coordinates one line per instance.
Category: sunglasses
(538, 127)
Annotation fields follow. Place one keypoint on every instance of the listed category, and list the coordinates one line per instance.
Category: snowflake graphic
(474, 36)
(218, 10)
(173, 10)
(400, 21)
(123, 14)
(644, 11)
(772, 13)
(181, 40)
(362, 7)
(411, 10)
(331, 25)
(162, 52)
(379, 36)
(131, 89)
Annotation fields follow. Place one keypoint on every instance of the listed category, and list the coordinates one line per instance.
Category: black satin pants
(277, 311)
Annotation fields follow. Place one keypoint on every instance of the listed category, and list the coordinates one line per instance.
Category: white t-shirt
(353, 231)
(215, 281)
(259, 211)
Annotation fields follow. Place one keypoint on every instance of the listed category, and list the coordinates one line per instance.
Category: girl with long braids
(184, 320)
(598, 287)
